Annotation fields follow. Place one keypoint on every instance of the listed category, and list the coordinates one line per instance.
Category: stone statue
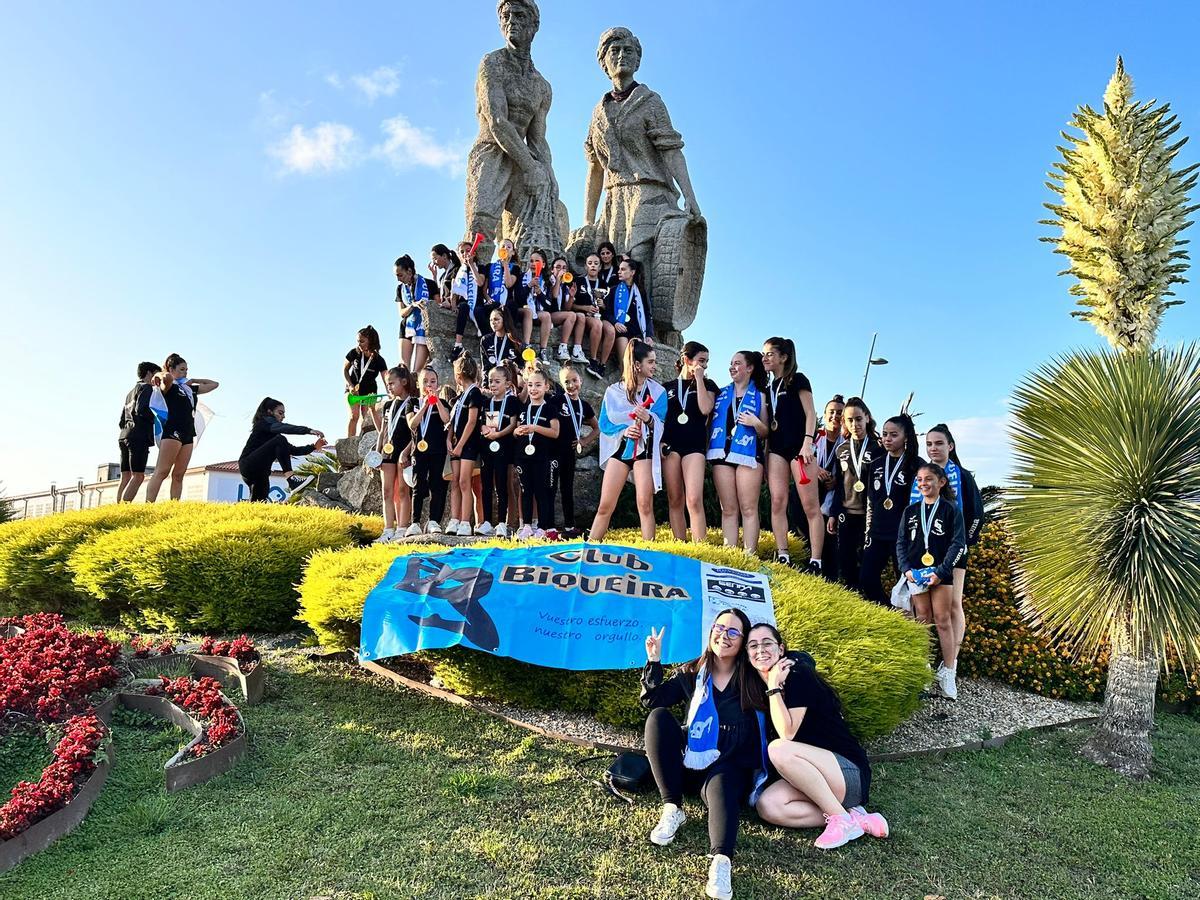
(511, 188)
(635, 156)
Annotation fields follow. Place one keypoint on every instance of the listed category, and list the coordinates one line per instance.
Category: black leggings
(537, 483)
(564, 475)
(255, 466)
(430, 483)
(493, 476)
(876, 553)
(722, 787)
(851, 533)
(482, 311)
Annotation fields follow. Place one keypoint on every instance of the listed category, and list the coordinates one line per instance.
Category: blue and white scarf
(615, 417)
(496, 289)
(703, 725)
(415, 294)
(465, 287)
(628, 298)
(953, 478)
(743, 450)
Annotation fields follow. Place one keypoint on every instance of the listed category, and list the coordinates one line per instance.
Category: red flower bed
(49, 671)
(202, 697)
(242, 649)
(75, 759)
(143, 648)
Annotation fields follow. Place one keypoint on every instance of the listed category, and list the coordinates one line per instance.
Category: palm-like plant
(1106, 508)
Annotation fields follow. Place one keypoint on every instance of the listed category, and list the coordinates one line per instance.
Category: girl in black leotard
(179, 430)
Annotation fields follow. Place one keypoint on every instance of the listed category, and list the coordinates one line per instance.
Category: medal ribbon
(857, 460)
(926, 524)
(425, 418)
(680, 394)
(576, 423)
(889, 474)
(536, 420)
(458, 407)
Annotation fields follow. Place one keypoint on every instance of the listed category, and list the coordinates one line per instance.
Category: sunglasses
(730, 632)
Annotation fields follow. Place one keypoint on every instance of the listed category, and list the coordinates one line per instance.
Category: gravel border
(986, 714)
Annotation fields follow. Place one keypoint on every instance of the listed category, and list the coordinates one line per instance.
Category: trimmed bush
(876, 659)
(1003, 643)
(211, 566)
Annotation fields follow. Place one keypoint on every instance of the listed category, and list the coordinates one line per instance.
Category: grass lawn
(353, 788)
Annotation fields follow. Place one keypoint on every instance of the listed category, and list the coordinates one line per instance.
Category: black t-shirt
(364, 370)
(569, 412)
(585, 292)
(471, 398)
(504, 411)
(788, 412)
(694, 432)
(823, 725)
(395, 423)
(885, 523)
(556, 297)
(533, 415)
(434, 431)
(495, 349)
(137, 420)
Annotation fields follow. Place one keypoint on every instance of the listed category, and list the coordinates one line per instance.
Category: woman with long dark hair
(364, 365)
(854, 459)
(930, 545)
(180, 394)
(469, 293)
(444, 264)
(530, 304)
(394, 444)
(823, 772)
(267, 445)
(609, 259)
(790, 454)
(631, 427)
(889, 477)
(829, 438)
(591, 301)
(412, 302)
(737, 447)
(690, 400)
(719, 748)
(632, 317)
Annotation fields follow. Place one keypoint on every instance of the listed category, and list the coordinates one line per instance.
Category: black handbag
(630, 771)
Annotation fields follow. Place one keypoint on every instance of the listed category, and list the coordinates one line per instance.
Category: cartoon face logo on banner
(575, 606)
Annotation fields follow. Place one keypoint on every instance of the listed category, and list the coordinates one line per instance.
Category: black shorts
(134, 457)
(788, 453)
(683, 449)
(619, 456)
(177, 434)
(469, 453)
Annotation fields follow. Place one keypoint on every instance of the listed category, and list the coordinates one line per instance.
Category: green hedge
(875, 658)
(200, 566)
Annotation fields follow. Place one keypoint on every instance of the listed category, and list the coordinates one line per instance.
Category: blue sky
(232, 182)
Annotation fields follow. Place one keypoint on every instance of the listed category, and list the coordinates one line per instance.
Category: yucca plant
(1121, 211)
(1106, 508)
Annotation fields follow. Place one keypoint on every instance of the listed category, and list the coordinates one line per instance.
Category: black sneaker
(569, 534)
(298, 483)
(595, 369)
(814, 567)
(784, 559)
(456, 352)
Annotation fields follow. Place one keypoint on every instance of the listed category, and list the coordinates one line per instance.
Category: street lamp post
(872, 360)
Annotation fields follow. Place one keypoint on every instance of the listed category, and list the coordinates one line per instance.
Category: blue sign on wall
(568, 606)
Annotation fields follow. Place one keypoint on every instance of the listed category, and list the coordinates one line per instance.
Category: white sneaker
(484, 529)
(388, 534)
(464, 529)
(668, 823)
(413, 530)
(563, 354)
(502, 530)
(525, 533)
(720, 876)
(948, 682)
(452, 526)
(433, 527)
(578, 355)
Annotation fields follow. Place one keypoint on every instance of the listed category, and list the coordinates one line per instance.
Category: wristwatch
(773, 691)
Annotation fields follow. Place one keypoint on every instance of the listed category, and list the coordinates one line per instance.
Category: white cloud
(983, 444)
(383, 82)
(407, 145)
(327, 147)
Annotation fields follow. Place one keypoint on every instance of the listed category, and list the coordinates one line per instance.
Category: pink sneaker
(840, 829)
(873, 824)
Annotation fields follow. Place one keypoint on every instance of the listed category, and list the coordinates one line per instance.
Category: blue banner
(568, 606)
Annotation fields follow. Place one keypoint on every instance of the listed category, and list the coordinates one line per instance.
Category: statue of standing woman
(635, 157)
(511, 188)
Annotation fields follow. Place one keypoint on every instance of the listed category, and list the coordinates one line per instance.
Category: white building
(216, 483)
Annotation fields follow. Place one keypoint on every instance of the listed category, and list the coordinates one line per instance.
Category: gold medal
(530, 450)
(681, 418)
(388, 448)
(887, 504)
(494, 446)
(927, 559)
(422, 445)
(859, 487)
